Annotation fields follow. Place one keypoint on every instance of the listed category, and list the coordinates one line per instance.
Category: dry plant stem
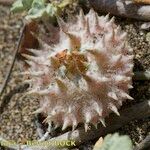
(145, 144)
(142, 1)
(12, 64)
(124, 8)
(6, 2)
(138, 111)
(19, 89)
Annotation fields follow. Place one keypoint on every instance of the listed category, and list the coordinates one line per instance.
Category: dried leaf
(28, 40)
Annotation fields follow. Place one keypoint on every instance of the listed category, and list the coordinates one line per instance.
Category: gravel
(16, 122)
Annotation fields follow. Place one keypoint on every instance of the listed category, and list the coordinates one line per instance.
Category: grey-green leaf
(51, 10)
(38, 3)
(21, 5)
(17, 6)
(27, 4)
(116, 142)
(40, 10)
(37, 10)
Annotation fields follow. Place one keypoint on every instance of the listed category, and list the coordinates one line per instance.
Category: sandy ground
(17, 122)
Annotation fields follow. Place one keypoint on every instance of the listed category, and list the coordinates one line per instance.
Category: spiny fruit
(84, 74)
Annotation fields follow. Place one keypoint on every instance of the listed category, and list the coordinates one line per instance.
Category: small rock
(148, 37)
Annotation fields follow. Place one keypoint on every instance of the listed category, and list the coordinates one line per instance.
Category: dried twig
(19, 89)
(138, 111)
(124, 8)
(142, 1)
(144, 144)
(13, 62)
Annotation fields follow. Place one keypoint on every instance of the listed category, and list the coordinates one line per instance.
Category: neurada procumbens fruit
(84, 74)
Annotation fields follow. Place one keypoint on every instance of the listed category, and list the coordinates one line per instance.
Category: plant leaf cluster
(39, 9)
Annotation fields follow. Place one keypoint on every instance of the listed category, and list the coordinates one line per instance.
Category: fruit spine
(84, 74)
